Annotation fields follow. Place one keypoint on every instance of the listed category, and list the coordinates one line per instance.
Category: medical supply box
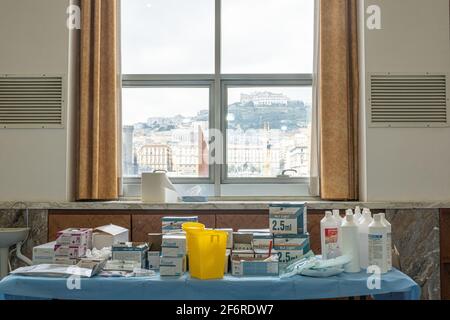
(44, 254)
(74, 237)
(172, 266)
(153, 260)
(255, 266)
(288, 219)
(129, 251)
(173, 245)
(108, 235)
(174, 224)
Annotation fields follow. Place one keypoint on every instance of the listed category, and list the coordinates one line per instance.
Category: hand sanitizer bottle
(350, 244)
(388, 240)
(329, 233)
(377, 238)
(363, 230)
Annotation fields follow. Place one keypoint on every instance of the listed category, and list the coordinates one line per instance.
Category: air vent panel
(31, 101)
(406, 100)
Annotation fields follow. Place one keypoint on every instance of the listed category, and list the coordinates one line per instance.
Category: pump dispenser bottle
(350, 244)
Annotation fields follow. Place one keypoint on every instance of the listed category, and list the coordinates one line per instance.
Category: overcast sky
(177, 36)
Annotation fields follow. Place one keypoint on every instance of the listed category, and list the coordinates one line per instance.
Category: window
(217, 91)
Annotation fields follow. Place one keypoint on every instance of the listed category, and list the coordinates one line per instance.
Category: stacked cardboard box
(173, 260)
(129, 252)
(288, 224)
(71, 245)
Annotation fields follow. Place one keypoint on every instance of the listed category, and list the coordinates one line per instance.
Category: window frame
(218, 85)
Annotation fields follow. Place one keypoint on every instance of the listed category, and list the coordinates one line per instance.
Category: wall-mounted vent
(31, 101)
(405, 100)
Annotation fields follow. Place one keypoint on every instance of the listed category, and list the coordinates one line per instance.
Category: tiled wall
(415, 232)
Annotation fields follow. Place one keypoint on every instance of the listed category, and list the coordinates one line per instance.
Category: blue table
(394, 285)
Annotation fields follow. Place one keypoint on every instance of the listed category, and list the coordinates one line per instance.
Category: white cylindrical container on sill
(350, 244)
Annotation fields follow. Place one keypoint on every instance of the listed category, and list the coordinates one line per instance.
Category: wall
(408, 164)
(35, 40)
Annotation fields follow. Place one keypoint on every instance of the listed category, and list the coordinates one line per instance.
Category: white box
(73, 237)
(106, 236)
(65, 261)
(44, 254)
(229, 238)
(255, 267)
(288, 219)
(170, 266)
(117, 265)
(262, 241)
(73, 252)
(129, 251)
(242, 241)
(154, 259)
(173, 245)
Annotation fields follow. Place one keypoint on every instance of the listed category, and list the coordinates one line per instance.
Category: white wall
(408, 164)
(34, 39)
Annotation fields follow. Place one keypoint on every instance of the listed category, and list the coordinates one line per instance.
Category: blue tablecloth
(394, 285)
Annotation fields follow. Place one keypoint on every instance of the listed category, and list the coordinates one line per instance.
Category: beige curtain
(97, 168)
(338, 99)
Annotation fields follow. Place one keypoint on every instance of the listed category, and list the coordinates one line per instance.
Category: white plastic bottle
(337, 216)
(366, 213)
(378, 244)
(357, 214)
(350, 243)
(363, 230)
(329, 233)
(388, 240)
(348, 212)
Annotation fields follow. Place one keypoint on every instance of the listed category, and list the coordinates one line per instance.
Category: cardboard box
(173, 245)
(130, 251)
(174, 224)
(288, 219)
(96, 265)
(73, 252)
(155, 241)
(229, 238)
(255, 267)
(65, 261)
(73, 237)
(171, 266)
(44, 254)
(242, 254)
(290, 248)
(120, 265)
(262, 241)
(292, 243)
(106, 236)
(253, 231)
(153, 260)
(242, 241)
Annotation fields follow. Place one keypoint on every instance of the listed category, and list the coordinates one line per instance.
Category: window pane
(268, 131)
(267, 36)
(167, 36)
(165, 129)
